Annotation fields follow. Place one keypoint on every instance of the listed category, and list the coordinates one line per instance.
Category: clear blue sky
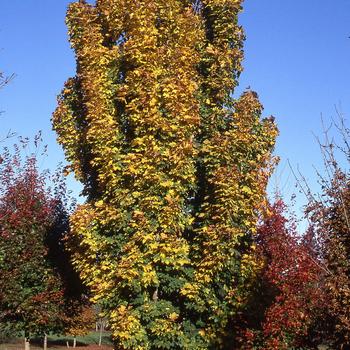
(297, 59)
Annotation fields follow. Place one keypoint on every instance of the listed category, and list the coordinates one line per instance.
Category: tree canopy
(174, 168)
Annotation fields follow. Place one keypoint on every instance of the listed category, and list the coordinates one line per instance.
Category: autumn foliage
(39, 291)
(173, 167)
(291, 285)
(330, 217)
(177, 245)
(308, 303)
(31, 292)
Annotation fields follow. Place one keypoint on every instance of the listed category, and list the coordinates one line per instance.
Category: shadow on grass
(54, 341)
(57, 342)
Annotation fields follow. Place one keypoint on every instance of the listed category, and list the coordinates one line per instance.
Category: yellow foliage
(174, 169)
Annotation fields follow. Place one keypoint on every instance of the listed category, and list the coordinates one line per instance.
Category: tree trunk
(155, 295)
(74, 341)
(67, 342)
(26, 341)
(100, 338)
(45, 341)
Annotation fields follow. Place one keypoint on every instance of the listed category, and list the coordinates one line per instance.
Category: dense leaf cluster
(173, 167)
(31, 291)
(287, 301)
(39, 291)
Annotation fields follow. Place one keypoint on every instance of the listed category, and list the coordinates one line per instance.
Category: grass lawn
(89, 341)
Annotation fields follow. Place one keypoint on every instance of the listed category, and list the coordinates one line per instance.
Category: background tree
(101, 322)
(330, 213)
(290, 298)
(76, 317)
(79, 320)
(173, 167)
(33, 289)
(30, 290)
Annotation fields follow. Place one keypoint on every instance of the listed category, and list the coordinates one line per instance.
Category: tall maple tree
(173, 167)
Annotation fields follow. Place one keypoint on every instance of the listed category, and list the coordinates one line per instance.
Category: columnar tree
(174, 168)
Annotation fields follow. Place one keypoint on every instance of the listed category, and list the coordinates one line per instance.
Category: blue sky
(297, 56)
